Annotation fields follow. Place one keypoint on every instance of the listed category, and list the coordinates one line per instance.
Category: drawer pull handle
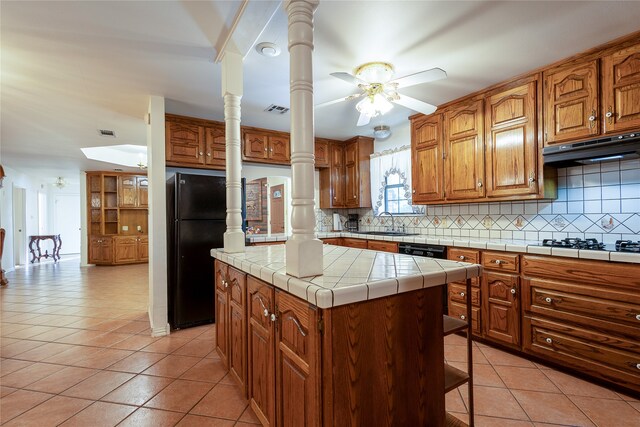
(637, 316)
(463, 317)
(461, 294)
(549, 340)
(548, 300)
(461, 257)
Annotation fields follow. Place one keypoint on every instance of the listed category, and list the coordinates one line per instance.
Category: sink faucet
(393, 228)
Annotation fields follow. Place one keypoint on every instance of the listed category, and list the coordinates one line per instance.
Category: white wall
(400, 135)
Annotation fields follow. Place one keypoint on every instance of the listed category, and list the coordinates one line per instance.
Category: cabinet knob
(273, 317)
(461, 257)
(461, 294)
(266, 313)
(271, 149)
(208, 154)
(498, 261)
(549, 340)
(637, 365)
(479, 184)
(548, 300)
(226, 284)
(513, 291)
(532, 180)
(414, 191)
(201, 153)
(609, 113)
(462, 316)
(592, 119)
(354, 196)
(637, 316)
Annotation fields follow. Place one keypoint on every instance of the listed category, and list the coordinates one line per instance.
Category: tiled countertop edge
(327, 298)
(521, 246)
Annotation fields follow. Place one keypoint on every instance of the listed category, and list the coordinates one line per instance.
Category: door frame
(19, 224)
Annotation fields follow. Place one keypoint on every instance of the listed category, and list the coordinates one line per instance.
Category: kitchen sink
(386, 233)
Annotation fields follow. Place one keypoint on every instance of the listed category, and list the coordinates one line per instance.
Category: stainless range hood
(598, 150)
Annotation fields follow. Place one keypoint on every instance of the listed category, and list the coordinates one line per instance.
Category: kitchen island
(363, 344)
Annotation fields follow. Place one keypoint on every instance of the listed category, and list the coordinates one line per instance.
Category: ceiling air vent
(106, 132)
(276, 109)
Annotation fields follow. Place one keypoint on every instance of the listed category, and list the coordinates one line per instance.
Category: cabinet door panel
(511, 143)
(143, 249)
(215, 146)
(501, 305)
(321, 153)
(126, 250)
(255, 146)
(127, 191)
(142, 183)
(184, 143)
(279, 148)
(337, 176)
(571, 100)
(237, 325)
(352, 185)
(222, 307)
(261, 350)
(621, 90)
(465, 152)
(426, 158)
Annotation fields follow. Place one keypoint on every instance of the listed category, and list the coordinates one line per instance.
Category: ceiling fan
(378, 91)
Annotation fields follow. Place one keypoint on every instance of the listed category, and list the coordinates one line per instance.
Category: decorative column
(304, 251)
(232, 93)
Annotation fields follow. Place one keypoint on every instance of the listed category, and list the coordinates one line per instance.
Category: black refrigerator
(196, 222)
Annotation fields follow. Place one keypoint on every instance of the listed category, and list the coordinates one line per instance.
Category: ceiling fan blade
(335, 101)
(414, 104)
(421, 77)
(349, 78)
(363, 120)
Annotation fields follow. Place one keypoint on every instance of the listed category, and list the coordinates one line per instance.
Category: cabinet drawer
(376, 245)
(459, 311)
(502, 261)
(464, 255)
(354, 243)
(260, 302)
(458, 293)
(332, 241)
(593, 306)
(585, 350)
(237, 285)
(221, 270)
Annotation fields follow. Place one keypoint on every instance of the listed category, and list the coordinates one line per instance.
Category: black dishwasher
(430, 251)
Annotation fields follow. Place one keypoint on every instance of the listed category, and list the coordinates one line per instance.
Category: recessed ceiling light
(268, 49)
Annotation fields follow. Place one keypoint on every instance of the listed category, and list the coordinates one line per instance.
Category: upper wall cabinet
(621, 90)
(265, 146)
(321, 153)
(194, 143)
(464, 151)
(427, 159)
(511, 148)
(184, 143)
(572, 105)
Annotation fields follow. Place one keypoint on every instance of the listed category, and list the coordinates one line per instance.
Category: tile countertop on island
(520, 246)
(350, 275)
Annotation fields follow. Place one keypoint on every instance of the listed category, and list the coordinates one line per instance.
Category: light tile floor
(76, 351)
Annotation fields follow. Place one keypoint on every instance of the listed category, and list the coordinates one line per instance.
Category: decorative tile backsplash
(599, 201)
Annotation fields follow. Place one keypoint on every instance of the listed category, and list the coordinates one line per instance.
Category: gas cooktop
(593, 244)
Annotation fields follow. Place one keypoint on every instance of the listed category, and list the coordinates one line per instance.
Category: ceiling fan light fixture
(374, 106)
(374, 72)
(382, 132)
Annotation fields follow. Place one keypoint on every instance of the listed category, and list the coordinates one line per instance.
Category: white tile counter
(520, 246)
(350, 275)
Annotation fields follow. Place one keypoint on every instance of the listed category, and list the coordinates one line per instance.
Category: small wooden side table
(34, 245)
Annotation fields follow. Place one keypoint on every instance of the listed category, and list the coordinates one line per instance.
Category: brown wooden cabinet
(427, 159)
(464, 151)
(571, 103)
(347, 181)
(133, 191)
(621, 90)
(184, 142)
(511, 143)
(377, 245)
(584, 315)
(321, 152)
(117, 216)
(231, 320)
(215, 146)
(265, 146)
(100, 250)
(457, 291)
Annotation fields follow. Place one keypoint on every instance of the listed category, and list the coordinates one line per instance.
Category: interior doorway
(66, 222)
(277, 208)
(19, 224)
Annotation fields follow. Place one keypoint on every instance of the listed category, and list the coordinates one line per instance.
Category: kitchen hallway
(76, 350)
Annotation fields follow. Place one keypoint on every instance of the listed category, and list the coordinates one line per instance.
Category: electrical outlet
(125, 228)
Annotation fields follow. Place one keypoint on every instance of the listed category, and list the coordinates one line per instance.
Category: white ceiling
(70, 68)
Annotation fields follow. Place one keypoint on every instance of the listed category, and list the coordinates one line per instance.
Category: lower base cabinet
(348, 365)
(115, 250)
